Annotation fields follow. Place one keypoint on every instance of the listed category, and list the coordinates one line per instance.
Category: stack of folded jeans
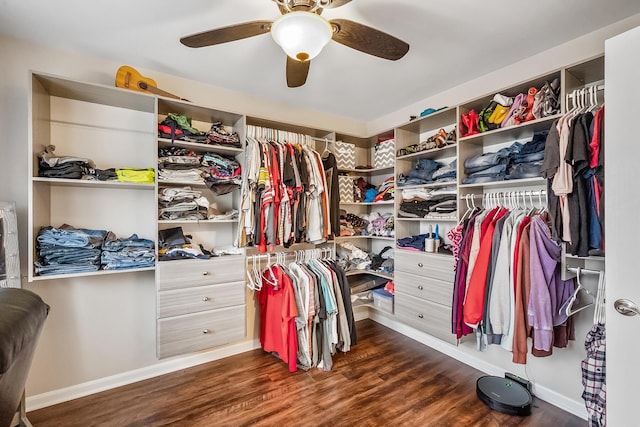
(130, 252)
(428, 171)
(179, 164)
(489, 167)
(446, 173)
(68, 250)
(421, 174)
(223, 173)
(528, 161)
(182, 203)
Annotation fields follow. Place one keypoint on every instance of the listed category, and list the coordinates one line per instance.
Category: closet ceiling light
(301, 35)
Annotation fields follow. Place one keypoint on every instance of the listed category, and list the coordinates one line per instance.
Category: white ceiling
(452, 41)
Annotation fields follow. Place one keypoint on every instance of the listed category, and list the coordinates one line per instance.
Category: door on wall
(622, 206)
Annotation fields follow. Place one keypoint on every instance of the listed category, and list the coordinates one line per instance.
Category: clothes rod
(583, 270)
(504, 194)
(320, 251)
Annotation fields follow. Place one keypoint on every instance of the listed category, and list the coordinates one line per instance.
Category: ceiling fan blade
(368, 40)
(227, 34)
(335, 3)
(297, 72)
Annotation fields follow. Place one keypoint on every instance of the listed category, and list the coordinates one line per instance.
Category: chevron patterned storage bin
(384, 153)
(346, 186)
(345, 154)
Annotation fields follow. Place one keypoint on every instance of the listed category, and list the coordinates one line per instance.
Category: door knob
(626, 307)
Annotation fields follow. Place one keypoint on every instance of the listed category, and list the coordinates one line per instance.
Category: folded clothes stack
(178, 127)
(517, 161)
(428, 171)
(437, 203)
(182, 203)
(67, 249)
(179, 165)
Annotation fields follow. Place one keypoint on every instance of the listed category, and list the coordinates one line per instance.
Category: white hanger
(599, 313)
(569, 305)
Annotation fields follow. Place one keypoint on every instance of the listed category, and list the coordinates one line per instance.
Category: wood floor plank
(387, 379)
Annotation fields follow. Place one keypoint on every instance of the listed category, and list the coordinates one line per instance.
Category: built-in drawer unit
(424, 292)
(424, 315)
(436, 266)
(425, 287)
(201, 298)
(200, 331)
(184, 273)
(200, 304)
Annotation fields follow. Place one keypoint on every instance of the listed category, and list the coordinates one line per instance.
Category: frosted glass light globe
(301, 35)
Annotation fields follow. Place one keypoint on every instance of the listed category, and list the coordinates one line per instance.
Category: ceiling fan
(302, 33)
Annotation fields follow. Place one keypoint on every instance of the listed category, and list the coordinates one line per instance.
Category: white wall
(575, 51)
(102, 327)
(79, 344)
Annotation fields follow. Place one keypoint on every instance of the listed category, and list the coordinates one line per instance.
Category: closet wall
(102, 333)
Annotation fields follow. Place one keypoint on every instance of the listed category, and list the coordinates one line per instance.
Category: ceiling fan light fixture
(301, 35)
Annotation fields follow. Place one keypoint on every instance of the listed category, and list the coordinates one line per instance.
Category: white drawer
(432, 318)
(198, 272)
(199, 331)
(436, 266)
(434, 290)
(192, 300)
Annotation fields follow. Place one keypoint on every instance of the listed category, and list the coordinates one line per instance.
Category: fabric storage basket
(345, 154)
(346, 186)
(384, 153)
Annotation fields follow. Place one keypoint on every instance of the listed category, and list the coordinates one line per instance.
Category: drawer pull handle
(205, 299)
(205, 273)
(205, 331)
(420, 316)
(420, 265)
(420, 287)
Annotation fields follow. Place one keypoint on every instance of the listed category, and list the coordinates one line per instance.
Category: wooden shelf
(204, 221)
(527, 182)
(341, 238)
(92, 183)
(373, 273)
(446, 151)
(432, 185)
(374, 171)
(512, 133)
(177, 182)
(452, 219)
(91, 273)
(385, 202)
(200, 147)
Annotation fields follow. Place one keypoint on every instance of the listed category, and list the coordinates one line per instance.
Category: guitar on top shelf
(129, 78)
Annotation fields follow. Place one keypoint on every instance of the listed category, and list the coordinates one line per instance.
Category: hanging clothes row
(574, 167)
(508, 283)
(305, 308)
(285, 194)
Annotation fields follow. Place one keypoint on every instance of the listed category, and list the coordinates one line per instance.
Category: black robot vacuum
(504, 395)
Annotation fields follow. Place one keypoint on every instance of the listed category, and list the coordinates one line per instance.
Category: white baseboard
(362, 312)
(163, 367)
(552, 397)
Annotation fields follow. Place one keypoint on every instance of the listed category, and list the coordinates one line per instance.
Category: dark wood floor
(387, 379)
